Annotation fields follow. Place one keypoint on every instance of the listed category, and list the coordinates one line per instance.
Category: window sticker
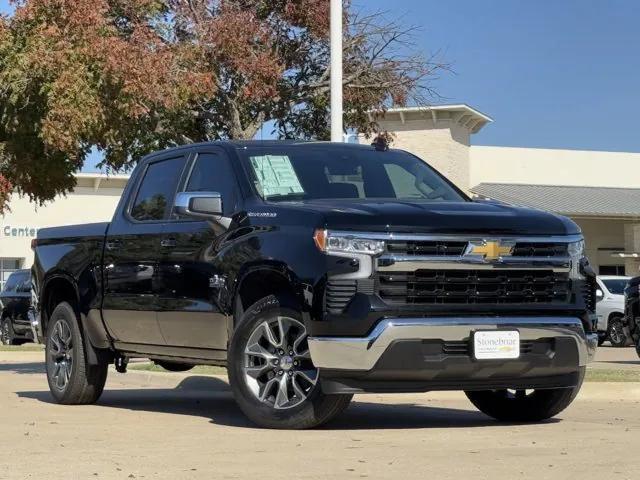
(276, 175)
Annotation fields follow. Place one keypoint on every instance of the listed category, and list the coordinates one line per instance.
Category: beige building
(599, 190)
(93, 200)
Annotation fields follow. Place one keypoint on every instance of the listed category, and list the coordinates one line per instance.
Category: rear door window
(154, 198)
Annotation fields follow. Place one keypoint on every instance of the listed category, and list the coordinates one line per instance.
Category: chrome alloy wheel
(277, 363)
(60, 351)
(616, 332)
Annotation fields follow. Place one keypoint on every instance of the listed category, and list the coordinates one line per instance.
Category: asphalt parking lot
(156, 425)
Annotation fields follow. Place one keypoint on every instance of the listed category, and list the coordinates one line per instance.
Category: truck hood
(437, 217)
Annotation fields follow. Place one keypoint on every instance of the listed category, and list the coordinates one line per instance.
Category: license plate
(496, 344)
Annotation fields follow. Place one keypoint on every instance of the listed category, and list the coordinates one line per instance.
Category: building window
(7, 267)
(612, 270)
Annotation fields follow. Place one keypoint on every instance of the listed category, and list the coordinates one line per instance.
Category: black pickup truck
(632, 310)
(314, 271)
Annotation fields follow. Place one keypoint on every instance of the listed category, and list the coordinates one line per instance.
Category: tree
(131, 76)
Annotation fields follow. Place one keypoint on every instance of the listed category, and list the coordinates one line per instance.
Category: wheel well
(57, 290)
(613, 315)
(260, 284)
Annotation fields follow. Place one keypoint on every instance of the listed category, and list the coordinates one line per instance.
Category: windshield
(616, 286)
(309, 173)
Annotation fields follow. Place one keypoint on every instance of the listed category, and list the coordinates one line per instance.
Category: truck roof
(239, 144)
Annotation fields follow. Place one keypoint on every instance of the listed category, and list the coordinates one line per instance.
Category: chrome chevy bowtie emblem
(490, 249)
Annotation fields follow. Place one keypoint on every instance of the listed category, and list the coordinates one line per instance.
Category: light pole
(336, 70)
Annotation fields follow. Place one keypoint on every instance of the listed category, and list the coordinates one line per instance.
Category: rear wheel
(174, 366)
(271, 373)
(524, 405)
(615, 332)
(6, 332)
(71, 379)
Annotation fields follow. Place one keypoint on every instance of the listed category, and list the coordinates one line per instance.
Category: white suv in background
(610, 309)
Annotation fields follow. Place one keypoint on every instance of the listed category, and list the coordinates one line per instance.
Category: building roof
(461, 114)
(567, 200)
(98, 180)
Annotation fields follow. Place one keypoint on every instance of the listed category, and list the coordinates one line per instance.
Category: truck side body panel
(71, 257)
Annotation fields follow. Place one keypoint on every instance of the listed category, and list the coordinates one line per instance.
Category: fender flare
(94, 354)
(278, 268)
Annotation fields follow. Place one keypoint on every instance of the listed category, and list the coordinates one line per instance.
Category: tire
(615, 332)
(602, 337)
(536, 406)
(174, 366)
(6, 332)
(306, 406)
(638, 347)
(72, 381)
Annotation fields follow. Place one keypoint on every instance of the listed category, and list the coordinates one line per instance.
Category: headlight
(331, 242)
(576, 252)
(576, 249)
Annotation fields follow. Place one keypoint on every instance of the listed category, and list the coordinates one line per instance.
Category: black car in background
(632, 310)
(15, 300)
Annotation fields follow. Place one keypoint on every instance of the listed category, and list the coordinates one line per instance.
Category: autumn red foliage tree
(130, 76)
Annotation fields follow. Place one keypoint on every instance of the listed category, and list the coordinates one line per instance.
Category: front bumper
(412, 354)
(34, 321)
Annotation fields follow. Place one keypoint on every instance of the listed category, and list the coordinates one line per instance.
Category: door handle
(114, 244)
(168, 242)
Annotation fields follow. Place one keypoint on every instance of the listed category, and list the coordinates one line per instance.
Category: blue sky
(552, 73)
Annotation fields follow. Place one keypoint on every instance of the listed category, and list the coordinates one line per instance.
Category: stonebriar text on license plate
(490, 345)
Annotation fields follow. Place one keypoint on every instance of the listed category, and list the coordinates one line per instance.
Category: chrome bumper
(34, 320)
(362, 353)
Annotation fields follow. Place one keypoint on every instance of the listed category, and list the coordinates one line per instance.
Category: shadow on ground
(211, 397)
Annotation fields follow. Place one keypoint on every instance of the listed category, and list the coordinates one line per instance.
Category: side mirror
(199, 204)
(599, 295)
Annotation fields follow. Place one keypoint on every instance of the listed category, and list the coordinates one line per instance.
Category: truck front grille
(434, 248)
(473, 287)
(426, 247)
(463, 347)
(540, 250)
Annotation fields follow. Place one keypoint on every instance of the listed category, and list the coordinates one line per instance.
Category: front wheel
(271, 373)
(72, 380)
(524, 405)
(615, 332)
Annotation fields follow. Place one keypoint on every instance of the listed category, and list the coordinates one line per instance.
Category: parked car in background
(610, 310)
(632, 310)
(15, 300)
